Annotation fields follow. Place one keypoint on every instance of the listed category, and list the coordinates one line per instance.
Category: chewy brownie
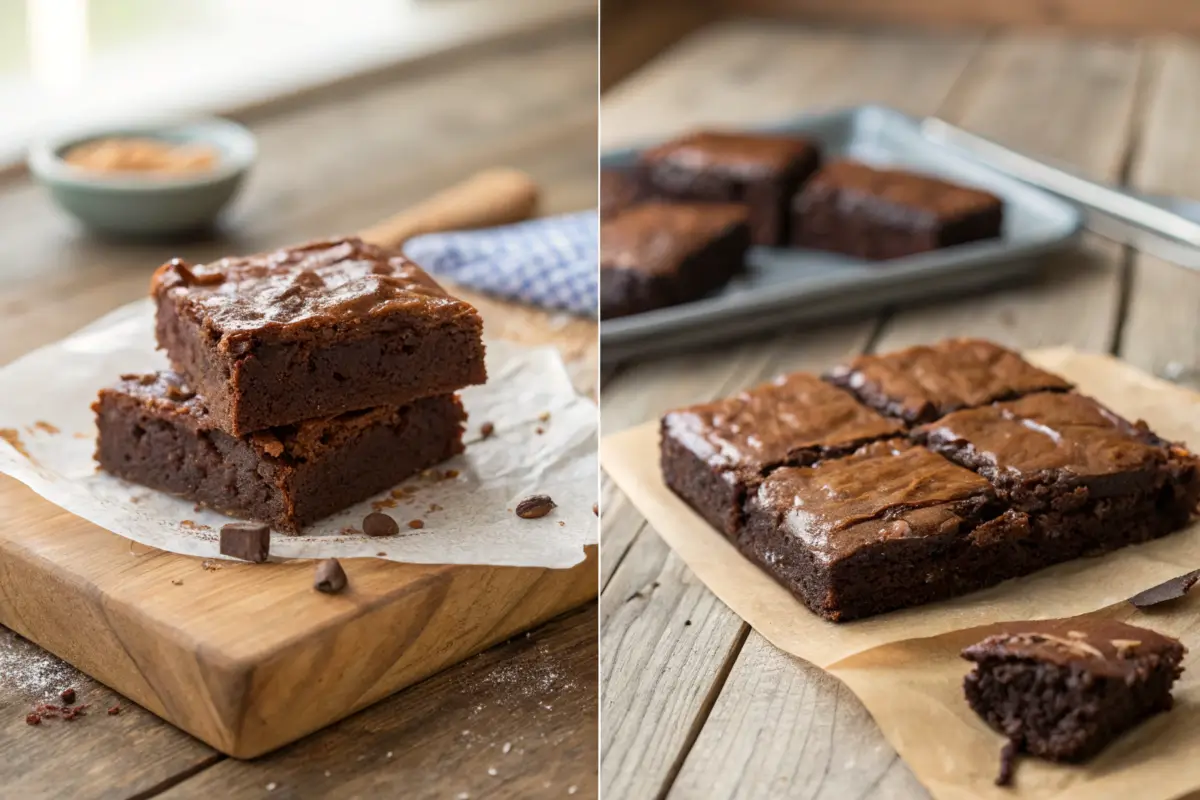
(156, 431)
(313, 331)
(661, 254)
(1064, 689)
(876, 214)
(890, 526)
(759, 170)
(1094, 481)
(619, 190)
(925, 382)
(714, 453)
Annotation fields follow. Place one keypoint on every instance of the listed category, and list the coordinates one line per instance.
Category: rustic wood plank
(1160, 333)
(631, 34)
(1076, 101)
(96, 756)
(659, 683)
(519, 721)
(1114, 16)
(781, 724)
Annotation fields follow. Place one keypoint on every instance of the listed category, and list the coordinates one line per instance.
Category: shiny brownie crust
(153, 430)
(311, 331)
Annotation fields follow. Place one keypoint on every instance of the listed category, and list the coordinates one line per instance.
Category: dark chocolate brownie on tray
(851, 208)
(156, 431)
(760, 170)
(1064, 689)
(619, 190)
(661, 254)
(890, 526)
(313, 331)
(922, 383)
(714, 453)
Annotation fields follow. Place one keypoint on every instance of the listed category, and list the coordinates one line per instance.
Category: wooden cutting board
(248, 657)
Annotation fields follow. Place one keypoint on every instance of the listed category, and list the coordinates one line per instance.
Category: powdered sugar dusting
(28, 670)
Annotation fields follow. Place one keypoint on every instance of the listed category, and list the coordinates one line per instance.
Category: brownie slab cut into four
(877, 214)
(309, 379)
(1013, 487)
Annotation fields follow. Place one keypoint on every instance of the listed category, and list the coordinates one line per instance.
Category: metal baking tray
(785, 286)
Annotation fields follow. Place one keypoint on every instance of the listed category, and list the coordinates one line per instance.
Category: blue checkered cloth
(549, 262)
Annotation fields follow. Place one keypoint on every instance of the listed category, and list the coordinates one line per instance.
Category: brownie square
(662, 254)
(890, 526)
(759, 170)
(877, 214)
(713, 454)
(313, 331)
(1064, 689)
(619, 190)
(156, 431)
(925, 382)
(1093, 481)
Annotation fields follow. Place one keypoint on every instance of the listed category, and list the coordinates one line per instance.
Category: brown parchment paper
(952, 753)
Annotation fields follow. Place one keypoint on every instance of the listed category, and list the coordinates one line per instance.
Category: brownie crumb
(539, 430)
(330, 578)
(596, 509)
(176, 582)
(534, 506)
(1168, 590)
(544, 416)
(68, 696)
(33, 719)
(377, 524)
(112, 712)
(416, 524)
(1008, 761)
(486, 430)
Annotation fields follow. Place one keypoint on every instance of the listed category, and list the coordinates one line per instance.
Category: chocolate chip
(1169, 590)
(330, 578)
(249, 541)
(377, 524)
(534, 506)
(68, 696)
(487, 429)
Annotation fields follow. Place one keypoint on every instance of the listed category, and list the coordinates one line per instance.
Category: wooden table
(517, 721)
(696, 704)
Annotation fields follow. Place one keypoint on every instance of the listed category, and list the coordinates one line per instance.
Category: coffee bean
(376, 524)
(534, 506)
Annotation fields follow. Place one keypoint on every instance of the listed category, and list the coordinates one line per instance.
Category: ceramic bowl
(148, 205)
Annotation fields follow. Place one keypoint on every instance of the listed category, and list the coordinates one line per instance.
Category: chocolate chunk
(377, 524)
(1008, 760)
(249, 541)
(68, 696)
(534, 506)
(330, 578)
(1168, 590)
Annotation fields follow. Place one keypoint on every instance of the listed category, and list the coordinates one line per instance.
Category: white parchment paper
(47, 439)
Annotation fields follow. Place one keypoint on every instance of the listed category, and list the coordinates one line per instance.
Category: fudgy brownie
(1093, 481)
(925, 382)
(156, 431)
(1064, 689)
(890, 526)
(313, 331)
(876, 214)
(662, 254)
(619, 190)
(714, 453)
(759, 170)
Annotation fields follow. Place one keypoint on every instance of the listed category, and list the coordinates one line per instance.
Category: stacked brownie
(305, 381)
(923, 474)
(788, 199)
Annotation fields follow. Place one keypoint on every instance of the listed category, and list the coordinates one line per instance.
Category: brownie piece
(759, 170)
(1093, 481)
(715, 453)
(662, 254)
(313, 331)
(876, 214)
(925, 382)
(890, 526)
(619, 190)
(1064, 689)
(156, 431)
